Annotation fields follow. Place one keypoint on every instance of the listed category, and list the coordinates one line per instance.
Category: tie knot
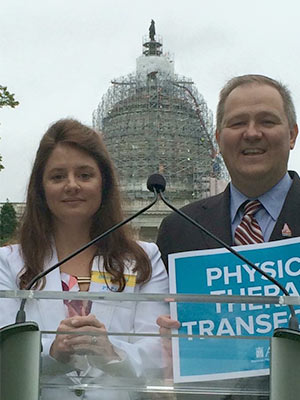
(251, 207)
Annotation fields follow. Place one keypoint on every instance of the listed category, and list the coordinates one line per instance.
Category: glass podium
(138, 363)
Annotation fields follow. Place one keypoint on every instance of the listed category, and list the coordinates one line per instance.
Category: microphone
(21, 315)
(156, 183)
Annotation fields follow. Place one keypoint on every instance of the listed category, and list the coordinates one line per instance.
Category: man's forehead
(254, 87)
(257, 114)
(250, 95)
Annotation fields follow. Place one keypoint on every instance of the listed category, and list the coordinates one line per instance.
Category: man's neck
(257, 187)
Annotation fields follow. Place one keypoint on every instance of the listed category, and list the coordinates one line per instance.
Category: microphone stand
(21, 316)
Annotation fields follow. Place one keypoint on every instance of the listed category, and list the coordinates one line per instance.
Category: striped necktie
(248, 231)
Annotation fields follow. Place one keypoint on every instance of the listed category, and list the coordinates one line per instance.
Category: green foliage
(7, 99)
(8, 222)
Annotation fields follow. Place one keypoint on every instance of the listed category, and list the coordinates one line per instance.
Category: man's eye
(268, 122)
(238, 124)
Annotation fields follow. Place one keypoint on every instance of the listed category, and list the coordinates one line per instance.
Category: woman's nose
(72, 183)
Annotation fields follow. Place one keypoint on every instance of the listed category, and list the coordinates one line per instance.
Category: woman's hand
(61, 349)
(95, 342)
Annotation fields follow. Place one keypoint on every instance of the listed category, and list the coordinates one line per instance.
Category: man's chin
(256, 181)
(249, 176)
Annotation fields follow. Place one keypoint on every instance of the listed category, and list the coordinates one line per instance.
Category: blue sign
(220, 272)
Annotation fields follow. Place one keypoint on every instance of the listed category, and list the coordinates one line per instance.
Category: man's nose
(252, 131)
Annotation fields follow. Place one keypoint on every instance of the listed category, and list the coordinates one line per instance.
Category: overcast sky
(59, 56)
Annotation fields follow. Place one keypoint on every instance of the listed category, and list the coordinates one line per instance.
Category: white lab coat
(140, 356)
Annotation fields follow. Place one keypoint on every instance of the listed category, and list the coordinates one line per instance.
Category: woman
(72, 198)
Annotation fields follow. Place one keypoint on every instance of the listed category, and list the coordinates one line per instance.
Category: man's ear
(217, 135)
(293, 136)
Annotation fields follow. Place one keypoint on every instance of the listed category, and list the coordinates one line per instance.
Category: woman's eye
(85, 176)
(57, 178)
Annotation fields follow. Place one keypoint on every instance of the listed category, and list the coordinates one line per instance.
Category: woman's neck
(69, 238)
(66, 242)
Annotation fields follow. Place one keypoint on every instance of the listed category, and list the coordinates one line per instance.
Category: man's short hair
(233, 83)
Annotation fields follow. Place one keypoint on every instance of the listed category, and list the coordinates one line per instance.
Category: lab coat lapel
(52, 312)
(101, 308)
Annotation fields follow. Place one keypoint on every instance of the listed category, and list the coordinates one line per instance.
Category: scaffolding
(155, 121)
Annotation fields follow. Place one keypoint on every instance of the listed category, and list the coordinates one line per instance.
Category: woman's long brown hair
(36, 225)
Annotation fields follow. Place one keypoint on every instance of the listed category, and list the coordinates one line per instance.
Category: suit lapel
(290, 213)
(216, 218)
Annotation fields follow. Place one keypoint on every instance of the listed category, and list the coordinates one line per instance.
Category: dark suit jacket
(177, 235)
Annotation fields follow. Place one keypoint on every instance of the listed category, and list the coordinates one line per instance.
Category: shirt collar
(272, 200)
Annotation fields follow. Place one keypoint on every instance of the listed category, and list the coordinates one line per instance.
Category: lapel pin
(286, 232)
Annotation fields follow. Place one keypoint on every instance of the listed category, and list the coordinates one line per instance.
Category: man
(256, 129)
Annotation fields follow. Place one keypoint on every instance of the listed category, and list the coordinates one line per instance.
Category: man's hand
(165, 325)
